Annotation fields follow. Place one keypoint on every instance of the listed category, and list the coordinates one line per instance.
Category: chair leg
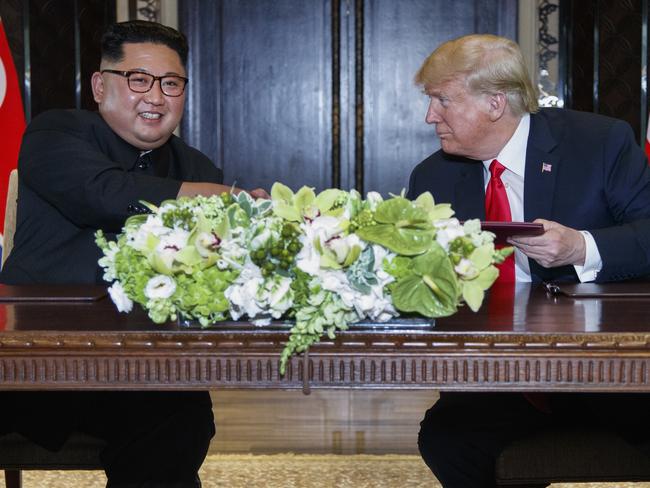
(13, 478)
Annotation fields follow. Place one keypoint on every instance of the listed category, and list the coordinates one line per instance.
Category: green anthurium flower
(402, 227)
(431, 287)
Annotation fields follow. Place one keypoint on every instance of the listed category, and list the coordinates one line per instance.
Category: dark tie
(144, 162)
(497, 209)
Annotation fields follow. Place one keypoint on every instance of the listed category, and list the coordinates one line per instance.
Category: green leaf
(263, 207)
(237, 216)
(399, 267)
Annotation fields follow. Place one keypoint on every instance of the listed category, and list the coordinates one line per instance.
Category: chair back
(10, 216)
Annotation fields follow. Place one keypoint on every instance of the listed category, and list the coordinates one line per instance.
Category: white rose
(121, 301)
(160, 286)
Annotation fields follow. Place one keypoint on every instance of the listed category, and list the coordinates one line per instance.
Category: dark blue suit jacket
(598, 181)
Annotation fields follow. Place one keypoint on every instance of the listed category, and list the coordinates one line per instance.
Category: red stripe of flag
(12, 119)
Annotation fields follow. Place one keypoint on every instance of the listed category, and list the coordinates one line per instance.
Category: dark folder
(503, 230)
(623, 289)
(51, 293)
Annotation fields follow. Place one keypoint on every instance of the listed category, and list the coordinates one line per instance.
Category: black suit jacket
(76, 176)
(598, 181)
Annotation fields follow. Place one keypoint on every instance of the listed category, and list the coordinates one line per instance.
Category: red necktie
(497, 209)
(501, 304)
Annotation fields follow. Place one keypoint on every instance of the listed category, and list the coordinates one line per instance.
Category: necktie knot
(496, 169)
(497, 208)
(143, 162)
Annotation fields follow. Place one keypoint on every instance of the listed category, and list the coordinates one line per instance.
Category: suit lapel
(469, 201)
(542, 166)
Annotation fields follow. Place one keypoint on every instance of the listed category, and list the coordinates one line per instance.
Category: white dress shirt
(513, 157)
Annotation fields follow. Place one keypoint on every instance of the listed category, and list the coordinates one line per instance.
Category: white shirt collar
(513, 154)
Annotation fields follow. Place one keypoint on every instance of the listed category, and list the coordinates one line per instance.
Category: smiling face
(462, 119)
(144, 120)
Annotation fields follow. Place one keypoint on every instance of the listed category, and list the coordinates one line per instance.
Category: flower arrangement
(321, 260)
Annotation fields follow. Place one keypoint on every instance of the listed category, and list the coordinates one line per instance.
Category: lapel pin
(547, 167)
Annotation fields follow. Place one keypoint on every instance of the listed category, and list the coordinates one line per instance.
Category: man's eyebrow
(146, 71)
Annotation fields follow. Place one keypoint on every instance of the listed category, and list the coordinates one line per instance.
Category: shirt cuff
(593, 262)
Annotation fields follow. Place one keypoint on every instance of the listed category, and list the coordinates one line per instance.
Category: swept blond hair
(487, 64)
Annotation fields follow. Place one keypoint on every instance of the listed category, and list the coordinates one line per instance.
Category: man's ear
(97, 84)
(497, 105)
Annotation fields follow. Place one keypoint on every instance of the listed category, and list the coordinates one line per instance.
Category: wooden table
(547, 343)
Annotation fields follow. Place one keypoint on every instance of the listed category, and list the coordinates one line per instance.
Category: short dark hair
(137, 31)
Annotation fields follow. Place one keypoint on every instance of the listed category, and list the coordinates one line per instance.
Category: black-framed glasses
(139, 82)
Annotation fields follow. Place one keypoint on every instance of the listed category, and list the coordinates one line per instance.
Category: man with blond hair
(581, 175)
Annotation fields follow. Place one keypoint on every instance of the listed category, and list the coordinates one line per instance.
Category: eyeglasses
(139, 82)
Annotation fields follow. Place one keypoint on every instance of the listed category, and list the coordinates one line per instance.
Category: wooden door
(320, 92)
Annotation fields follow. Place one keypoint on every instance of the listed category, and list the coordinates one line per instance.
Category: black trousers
(154, 439)
(462, 435)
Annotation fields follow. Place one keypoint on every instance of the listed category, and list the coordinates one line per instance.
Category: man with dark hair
(82, 171)
(582, 176)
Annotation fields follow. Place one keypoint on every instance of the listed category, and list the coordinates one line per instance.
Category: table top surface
(535, 312)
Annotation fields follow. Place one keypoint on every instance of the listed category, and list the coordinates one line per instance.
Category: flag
(12, 119)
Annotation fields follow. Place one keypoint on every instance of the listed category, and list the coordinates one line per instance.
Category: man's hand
(260, 193)
(192, 189)
(557, 246)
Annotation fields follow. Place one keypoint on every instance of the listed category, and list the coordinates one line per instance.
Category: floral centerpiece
(323, 260)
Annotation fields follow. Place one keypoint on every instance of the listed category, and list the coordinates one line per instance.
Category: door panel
(397, 41)
(271, 90)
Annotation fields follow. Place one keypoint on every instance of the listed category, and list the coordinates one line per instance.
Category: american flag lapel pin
(547, 167)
